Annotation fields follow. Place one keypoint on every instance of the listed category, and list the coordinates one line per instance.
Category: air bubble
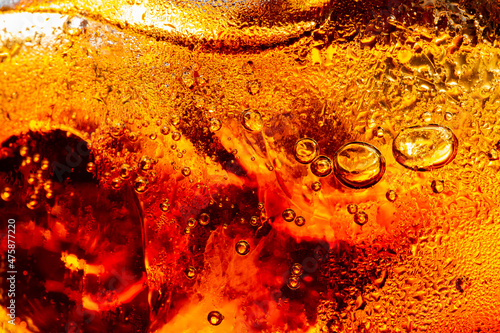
(215, 318)
(316, 186)
(186, 171)
(306, 150)
(424, 148)
(215, 125)
(300, 221)
(165, 130)
(242, 248)
(293, 282)
(125, 170)
(6, 194)
(296, 269)
(204, 219)
(176, 136)
(361, 218)
(254, 221)
(90, 167)
(288, 215)
(164, 206)
(140, 184)
(251, 120)
(391, 195)
(190, 272)
(352, 208)
(358, 165)
(191, 223)
(321, 166)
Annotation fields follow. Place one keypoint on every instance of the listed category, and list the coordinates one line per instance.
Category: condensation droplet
(251, 120)
(215, 125)
(294, 282)
(242, 247)
(352, 208)
(358, 165)
(140, 184)
(424, 148)
(190, 272)
(186, 171)
(391, 195)
(176, 136)
(288, 215)
(316, 186)
(296, 269)
(306, 150)
(322, 166)
(6, 194)
(361, 218)
(204, 219)
(215, 318)
(300, 221)
(437, 186)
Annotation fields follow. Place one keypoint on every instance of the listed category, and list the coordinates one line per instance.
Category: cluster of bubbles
(289, 215)
(360, 165)
(295, 273)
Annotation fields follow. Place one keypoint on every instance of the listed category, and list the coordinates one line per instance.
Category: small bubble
(260, 205)
(361, 218)
(31, 180)
(6, 194)
(352, 208)
(437, 186)
(186, 171)
(254, 221)
(36, 158)
(316, 186)
(252, 120)
(321, 166)
(288, 215)
(215, 318)
(204, 219)
(164, 206)
(116, 183)
(90, 167)
(75, 26)
(187, 231)
(176, 136)
(300, 221)
(191, 223)
(247, 68)
(296, 269)
(141, 184)
(391, 195)
(215, 125)
(293, 282)
(306, 150)
(32, 202)
(145, 163)
(165, 130)
(190, 272)
(125, 170)
(242, 248)
(448, 116)
(153, 136)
